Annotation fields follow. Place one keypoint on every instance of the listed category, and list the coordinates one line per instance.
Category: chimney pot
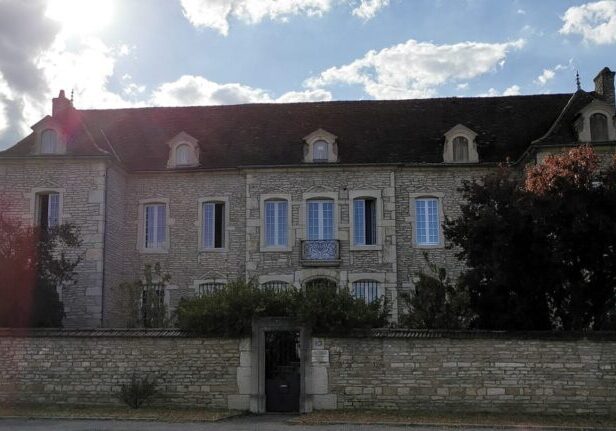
(604, 85)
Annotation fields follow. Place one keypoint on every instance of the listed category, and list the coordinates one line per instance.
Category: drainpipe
(104, 246)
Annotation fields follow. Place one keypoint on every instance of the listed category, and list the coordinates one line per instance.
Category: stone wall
(495, 374)
(81, 185)
(89, 367)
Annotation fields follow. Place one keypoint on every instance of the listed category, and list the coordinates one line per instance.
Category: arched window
(210, 288)
(182, 155)
(319, 151)
(368, 290)
(460, 149)
(320, 283)
(49, 142)
(598, 127)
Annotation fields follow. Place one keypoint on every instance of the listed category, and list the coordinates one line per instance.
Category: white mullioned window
(48, 210)
(364, 221)
(367, 290)
(320, 151)
(155, 225)
(320, 219)
(213, 225)
(460, 149)
(49, 142)
(276, 229)
(427, 221)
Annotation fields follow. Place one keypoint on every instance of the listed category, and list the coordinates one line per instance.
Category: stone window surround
(183, 138)
(460, 130)
(196, 283)
(596, 107)
(38, 132)
(141, 226)
(321, 135)
(290, 231)
(379, 277)
(370, 194)
(413, 218)
(199, 224)
(34, 204)
(303, 217)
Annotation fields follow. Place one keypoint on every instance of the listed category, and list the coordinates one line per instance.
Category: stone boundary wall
(89, 366)
(433, 370)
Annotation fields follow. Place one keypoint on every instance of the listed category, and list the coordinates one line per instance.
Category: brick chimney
(61, 104)
(604, 85)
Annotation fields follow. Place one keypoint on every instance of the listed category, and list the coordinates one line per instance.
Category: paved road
(246, 423)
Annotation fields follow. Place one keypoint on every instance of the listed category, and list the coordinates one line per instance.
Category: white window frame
(321, 220)
(290, 232)
(366, 194)
(178, 140)
(226, 230)
(378, 277)
(34, 203)
(440, 218)
(188, 153)
(56, 145)
(365, 297)
(141, 246)
(312, 196)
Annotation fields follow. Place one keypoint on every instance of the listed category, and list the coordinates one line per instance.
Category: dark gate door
(282, 371)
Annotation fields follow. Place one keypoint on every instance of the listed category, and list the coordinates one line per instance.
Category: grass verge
(366, 417)
(163, 414)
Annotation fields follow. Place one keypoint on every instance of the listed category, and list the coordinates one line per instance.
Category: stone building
(351, 192)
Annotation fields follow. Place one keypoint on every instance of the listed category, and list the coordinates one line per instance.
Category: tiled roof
(404, 131)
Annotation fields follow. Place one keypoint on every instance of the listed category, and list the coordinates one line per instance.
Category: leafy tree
(143, 301)
(540, 248)
(437, 302)
(33, 262)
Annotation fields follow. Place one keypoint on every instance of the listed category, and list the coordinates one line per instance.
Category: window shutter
(208, 225)
(360, 227)
(53, 210)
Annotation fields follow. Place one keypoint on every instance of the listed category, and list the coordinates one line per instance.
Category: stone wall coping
(373, 333)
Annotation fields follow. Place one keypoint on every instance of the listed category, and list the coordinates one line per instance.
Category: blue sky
(123, 53)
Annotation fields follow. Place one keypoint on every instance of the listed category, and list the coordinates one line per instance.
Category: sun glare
(81, 16)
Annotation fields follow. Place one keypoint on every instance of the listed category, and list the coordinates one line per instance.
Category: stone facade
(458, 372)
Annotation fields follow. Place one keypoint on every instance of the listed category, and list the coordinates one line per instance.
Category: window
(319, 151)
(598, 128)
(460, 149)
(276, 216)
(209, 288)
(276, 286)
(182, 155)
(427, 221)
(155, 225)
(320, 220)
(49, 142)
(213, 225)
(48, 213)
(368, 290)
(364, 213)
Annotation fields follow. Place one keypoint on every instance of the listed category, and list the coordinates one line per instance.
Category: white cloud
(548, 74)
(514, 90)
(521, 12)
(416, 69)
(215, 14)
(595, 22)
(462, 86)
(369, 8)
(197, 90)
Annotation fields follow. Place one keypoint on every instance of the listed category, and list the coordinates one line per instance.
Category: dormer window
(319, 151)
(598, 127)
(460, 145)
(460, 149)
(320, 147)
(183, 151)
(182, 155)
(49, 142)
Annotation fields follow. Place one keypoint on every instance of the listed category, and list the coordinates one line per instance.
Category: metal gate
(282, 371)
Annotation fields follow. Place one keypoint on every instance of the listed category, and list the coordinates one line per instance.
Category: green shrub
(138, 390)
(230, 311)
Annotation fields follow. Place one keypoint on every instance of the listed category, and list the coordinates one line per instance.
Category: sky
(133, 53)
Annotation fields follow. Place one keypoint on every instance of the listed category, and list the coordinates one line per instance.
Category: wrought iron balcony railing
(325, 252)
